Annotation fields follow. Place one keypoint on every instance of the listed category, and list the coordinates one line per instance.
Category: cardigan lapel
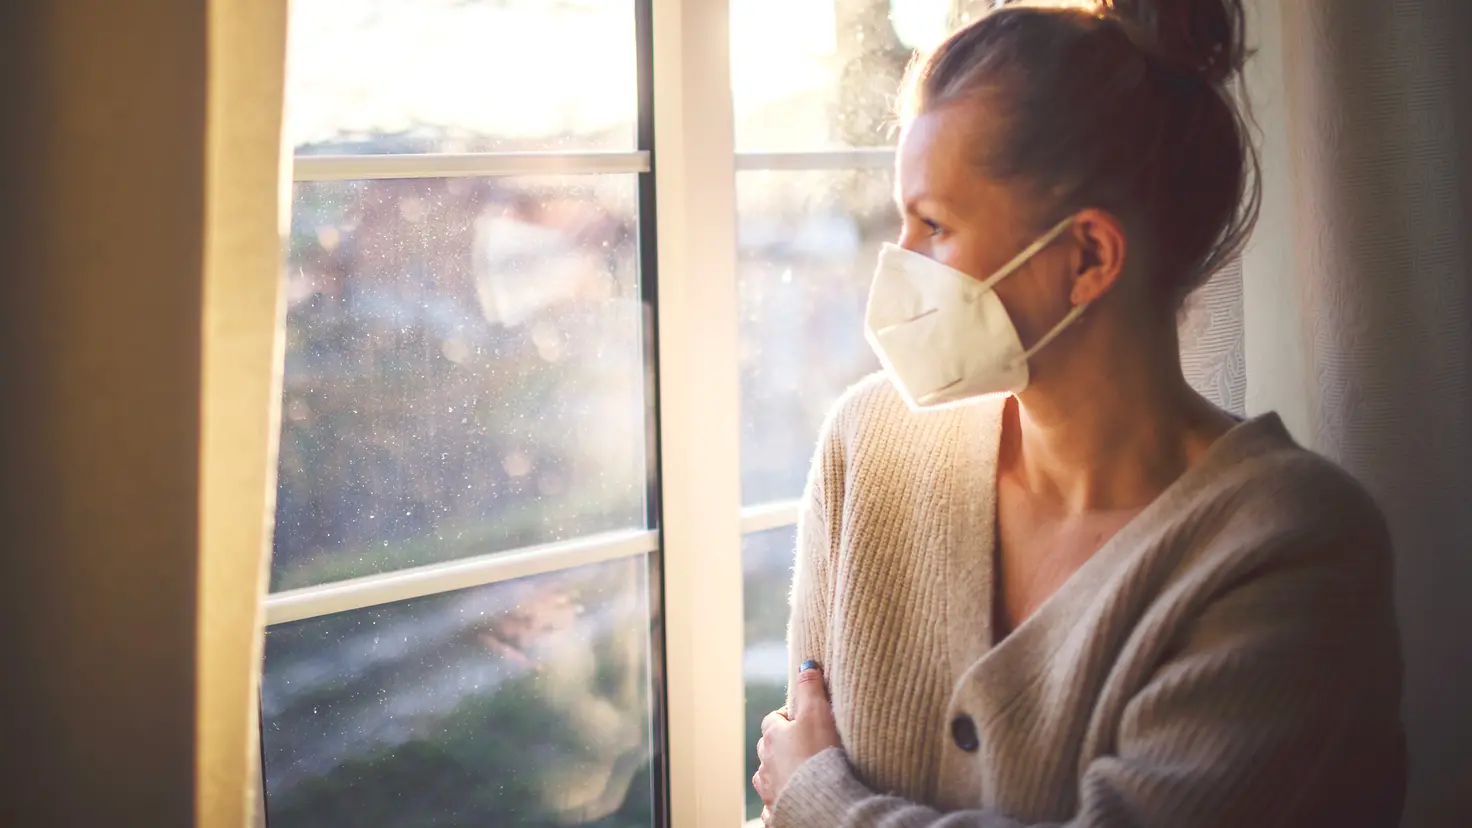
(971, 539)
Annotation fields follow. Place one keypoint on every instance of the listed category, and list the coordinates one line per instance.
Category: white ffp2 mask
(943, 337)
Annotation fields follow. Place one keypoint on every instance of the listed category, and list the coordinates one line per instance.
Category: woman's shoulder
(1271, 489)
(874, 448)
(871, 415)
(870, 401)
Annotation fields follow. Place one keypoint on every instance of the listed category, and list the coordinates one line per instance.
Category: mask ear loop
(1027, 253)
(1017, 261)
(1072, 315)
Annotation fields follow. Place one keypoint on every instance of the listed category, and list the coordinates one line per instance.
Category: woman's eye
(932, 226)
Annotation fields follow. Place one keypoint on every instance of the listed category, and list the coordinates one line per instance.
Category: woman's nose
(914, 239)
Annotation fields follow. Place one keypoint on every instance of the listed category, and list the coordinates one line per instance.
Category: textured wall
(1378, 116)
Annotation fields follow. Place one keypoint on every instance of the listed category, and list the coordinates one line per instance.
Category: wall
(115, 213)
(100, 322)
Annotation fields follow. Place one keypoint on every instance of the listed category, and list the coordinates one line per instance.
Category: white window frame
(701, 521)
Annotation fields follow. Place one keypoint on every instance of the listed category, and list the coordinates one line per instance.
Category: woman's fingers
(762, 785)
(810, 692)
(773, 719)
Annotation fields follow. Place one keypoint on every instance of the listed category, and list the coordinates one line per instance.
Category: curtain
(1365, 328)
(1213, 340)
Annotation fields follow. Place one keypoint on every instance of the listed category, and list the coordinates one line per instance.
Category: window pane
(379, 76)
(464, 371)
(808, 243)
(826, 77)
(525, 703)
(766, 559)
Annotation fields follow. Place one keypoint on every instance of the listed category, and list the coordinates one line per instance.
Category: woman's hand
(790, 738)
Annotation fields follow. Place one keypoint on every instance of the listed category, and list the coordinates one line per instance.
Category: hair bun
(1201, 37)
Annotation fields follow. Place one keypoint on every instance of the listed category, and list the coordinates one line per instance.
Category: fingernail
(807, 665)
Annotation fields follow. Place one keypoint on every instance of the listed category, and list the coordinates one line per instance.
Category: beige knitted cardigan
(1229, 658)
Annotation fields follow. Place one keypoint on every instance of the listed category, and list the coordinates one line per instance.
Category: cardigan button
(963, 730)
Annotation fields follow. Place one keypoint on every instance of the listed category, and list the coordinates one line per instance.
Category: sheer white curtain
(1359, 319)
(1213, 340)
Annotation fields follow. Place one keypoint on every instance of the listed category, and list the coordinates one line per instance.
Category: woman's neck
(1109, 433)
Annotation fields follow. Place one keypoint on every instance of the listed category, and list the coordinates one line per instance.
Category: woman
(1046, 582)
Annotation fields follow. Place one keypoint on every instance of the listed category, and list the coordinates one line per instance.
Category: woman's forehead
(937, 158)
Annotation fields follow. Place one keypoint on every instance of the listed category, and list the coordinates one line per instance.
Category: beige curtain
(1359, 323)
(141, 242)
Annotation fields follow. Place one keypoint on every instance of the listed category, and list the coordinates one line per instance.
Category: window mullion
(767, 516)
(857, 158)
(451, 165)
(449, 576)
(698, 385)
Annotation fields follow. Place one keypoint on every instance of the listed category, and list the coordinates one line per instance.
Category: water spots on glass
(451, 324)
(807, 245)
(328, 237)
(517, 464)
(456, 350)
(540, 684)
(413, 210)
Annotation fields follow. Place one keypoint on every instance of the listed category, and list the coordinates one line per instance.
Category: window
(466, 566)
(512, 480)
(814, 137)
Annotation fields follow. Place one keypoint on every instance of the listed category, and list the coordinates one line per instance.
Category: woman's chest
(1038, 547)
(989, 733)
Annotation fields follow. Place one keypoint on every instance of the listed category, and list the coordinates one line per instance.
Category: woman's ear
(1101, 243)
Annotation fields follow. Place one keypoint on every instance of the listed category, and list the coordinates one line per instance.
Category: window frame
(696, 522)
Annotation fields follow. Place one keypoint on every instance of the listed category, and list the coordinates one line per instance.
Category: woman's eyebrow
(919, 199)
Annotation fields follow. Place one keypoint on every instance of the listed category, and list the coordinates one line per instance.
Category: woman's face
(955, 215)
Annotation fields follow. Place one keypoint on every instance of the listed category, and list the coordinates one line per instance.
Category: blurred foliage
(554, 731)
(474, 774)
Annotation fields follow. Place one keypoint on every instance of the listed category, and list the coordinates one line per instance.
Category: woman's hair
(1122, 105)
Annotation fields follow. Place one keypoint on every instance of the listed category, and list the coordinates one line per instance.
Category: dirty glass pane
(808, 243)
(464, 371)
(518, 705)
(406, 76)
